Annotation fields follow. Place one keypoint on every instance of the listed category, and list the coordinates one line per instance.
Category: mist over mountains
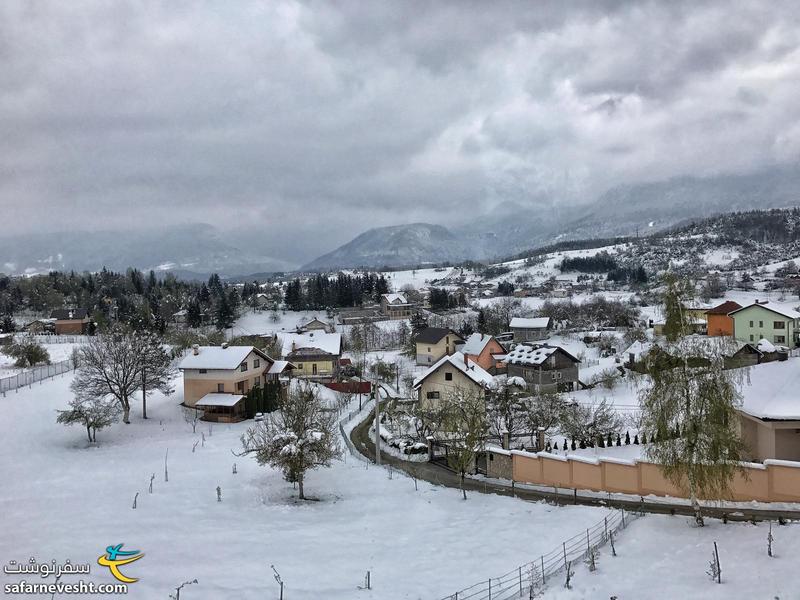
(195, 250)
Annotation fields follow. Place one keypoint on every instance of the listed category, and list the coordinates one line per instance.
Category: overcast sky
(328, 118)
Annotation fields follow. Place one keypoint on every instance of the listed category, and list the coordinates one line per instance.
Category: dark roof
(724, 308)
(69, 314)
(432, 335)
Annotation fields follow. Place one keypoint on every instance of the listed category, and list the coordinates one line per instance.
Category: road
(441, 475)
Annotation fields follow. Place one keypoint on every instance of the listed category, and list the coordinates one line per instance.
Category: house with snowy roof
(544, 368)
(773, 322)
(216, 379)
(451, 374)
(71, 321)
(484, 350)
(315, 324)
(530, 329)
(315, 354)
(397, 306)
(770, 411)
(432, 343)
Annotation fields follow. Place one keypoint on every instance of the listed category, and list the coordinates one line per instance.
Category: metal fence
(526, 579)
(52, 338)
(33, 375)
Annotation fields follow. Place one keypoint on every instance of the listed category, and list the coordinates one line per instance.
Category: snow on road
(61, 499)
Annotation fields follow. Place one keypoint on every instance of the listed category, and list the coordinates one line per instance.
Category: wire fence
(35, 374)
(52, 338)
(527, 580)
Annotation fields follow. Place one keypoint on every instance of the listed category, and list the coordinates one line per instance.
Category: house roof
(219, 399)
(771, 393)
(69, 314)
(219, 357)
(432, 335)
(784, 311)
(395, 298)
(534, 354)
(476, 343)
(468, 368)
(724, 308)
(327, 343)
(279, 366)
(531, 323)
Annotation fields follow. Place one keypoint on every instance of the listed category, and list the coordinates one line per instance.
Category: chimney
(195, 349)
(224, 345)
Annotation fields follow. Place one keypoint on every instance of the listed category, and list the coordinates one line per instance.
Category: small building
(453, 373)
(544, 368)
(316, 354)
(764, 320)
(223, 370)
(719, 321)
(71, 321)
(770, 412)
(222, 408)
(530, 329)
(316, 324)
(397, 306)
(41, 326)
(486, 351)
(433, 343)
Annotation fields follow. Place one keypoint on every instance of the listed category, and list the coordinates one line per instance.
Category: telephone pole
(377, 423)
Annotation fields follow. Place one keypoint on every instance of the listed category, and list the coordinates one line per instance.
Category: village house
(315, 354)
(720, 323)
(530, 329)
(396, 306)
(544, 368)
(41, 326)
(485, 351)
(451, 374)
(770, 412)
(316, 324)
(764, 320)
(433, 343)
(71, 321)
(217, 378)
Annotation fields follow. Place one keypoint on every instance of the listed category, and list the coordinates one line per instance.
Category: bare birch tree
(465, 428)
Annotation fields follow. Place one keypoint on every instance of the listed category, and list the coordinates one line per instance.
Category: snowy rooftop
(279, 366)
(781, 309)
(530, 355)
(216, 357)
(470, 369)
(773, 391)
(396, 298)
(476, 343)
(531, 323)
(219, 399)
(330, 343)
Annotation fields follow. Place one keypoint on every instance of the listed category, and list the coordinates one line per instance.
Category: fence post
(623, 517)
(543, 569)
(520, 581)
(490, 588)
(605, 528)
(564, 546)
(588, 545)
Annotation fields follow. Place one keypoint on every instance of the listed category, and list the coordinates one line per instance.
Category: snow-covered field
(61, 499)
(57, 352)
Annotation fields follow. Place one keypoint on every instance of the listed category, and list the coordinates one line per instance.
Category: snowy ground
(665, 557)
(61, 499)
(58, 352)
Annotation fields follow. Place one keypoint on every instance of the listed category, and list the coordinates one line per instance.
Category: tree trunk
(463, 490)
(94, 434)
(126, 412)
(698, 513)
(300, 488)
(89, 433)
(144, 396)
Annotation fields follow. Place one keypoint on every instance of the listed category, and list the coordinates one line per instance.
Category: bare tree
(110, 367)
(300, 437)
(191, 415)
(156, 368)
(93, 413)
(590, 422)
(545, 410)
(464, 424)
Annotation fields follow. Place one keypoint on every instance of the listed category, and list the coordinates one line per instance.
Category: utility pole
(377, 423)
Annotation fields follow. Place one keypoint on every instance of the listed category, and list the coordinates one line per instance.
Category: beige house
(316, 324)
(435, 342)
(214, 370)
(770, 411)
(315, 354)
(396, 306)
(451, 373)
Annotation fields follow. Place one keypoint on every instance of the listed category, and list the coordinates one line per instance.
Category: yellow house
(450, 374)
(223, 370)
(435, 342)
(315, 354)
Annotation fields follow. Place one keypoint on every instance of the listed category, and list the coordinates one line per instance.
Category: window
(240, 387)
(257, 382)
(430, 358)
(557, 375)
(779, 325)
(751, 323)
(256, 363)
(432, 395)
(429, 348)
(220, 387)
(203, 371)
(761, 323)
(751, 338)
(780, 339)
(314, 369)
(448, 376)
